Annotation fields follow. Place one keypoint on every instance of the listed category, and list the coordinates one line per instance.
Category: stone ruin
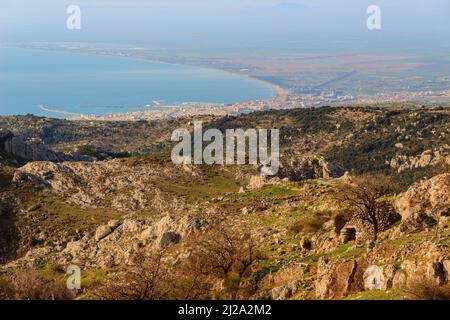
(358, 229)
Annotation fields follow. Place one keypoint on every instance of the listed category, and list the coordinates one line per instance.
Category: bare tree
(142, 280)
(220, 255)
(150, 277)
(226, 254)
(367, 196)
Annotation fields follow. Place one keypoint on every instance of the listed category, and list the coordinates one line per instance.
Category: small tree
(226, 254)
(220, 255)
(143, 280)
(367, 196)
(150, 277)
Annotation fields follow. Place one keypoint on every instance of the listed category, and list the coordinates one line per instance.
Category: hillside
(231, 231)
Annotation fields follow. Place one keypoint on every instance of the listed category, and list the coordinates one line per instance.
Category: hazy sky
(270, 23)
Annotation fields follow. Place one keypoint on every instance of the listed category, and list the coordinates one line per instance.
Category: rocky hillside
(234, 232)
(99, 139)
(360, 139)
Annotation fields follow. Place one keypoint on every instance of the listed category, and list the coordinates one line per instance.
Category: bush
(150, 277)
(28, 285)
(145, 279)
(309, 224)
(341, 219)
(426, 289)
(226, 255)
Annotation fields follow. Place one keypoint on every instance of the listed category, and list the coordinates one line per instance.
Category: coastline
(67, 113)
(278, 91)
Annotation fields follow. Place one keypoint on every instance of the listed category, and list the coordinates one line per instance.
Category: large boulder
(412, 271)
(256, 182)
(373, 278)
(283, 292)
(336, 279)
(379, 278)
(430, 197)
(102, 232)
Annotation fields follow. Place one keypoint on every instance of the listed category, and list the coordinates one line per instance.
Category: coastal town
(297, 81)
(155, 111)
(283, 100)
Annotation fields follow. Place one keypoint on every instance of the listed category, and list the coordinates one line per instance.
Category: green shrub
(309, 224)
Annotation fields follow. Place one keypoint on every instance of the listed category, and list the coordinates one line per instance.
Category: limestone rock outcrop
(430, 197)
(116, 242)
(283, 292)
(114, 183)
(335, 279)
(425, 159)
(314, 167)
(31, 148)
(379, 278)
(113, 246)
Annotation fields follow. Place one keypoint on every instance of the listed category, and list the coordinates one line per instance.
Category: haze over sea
(94, 84)
(91, 84)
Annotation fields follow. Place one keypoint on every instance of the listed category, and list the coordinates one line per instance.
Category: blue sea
(95, 84)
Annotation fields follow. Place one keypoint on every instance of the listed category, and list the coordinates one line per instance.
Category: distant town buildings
(284, 100)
